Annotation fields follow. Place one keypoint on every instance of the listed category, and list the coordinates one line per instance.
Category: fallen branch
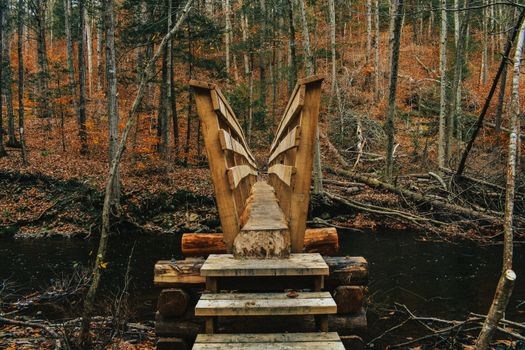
(413, 196)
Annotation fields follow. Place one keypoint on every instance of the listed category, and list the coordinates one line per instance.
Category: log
(175, 273)
(346, 271)
(349, 299)
(173, 302)
(316, 240)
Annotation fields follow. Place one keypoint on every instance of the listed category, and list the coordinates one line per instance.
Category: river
(440, 279)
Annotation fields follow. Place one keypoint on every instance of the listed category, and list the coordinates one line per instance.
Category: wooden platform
(300, 264)
(264, 304)
(292, 341)
(262, 212)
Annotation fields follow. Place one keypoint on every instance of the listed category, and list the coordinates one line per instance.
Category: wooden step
(289, 341)
(300, 264)
(264, 304)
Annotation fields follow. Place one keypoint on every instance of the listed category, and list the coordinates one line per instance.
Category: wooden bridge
(262, 270)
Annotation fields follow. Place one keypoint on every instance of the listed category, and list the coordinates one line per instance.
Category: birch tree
(82, 81)
(377, 91)
(226, 8)
(397, 18)
(508, 277)
(368, 30)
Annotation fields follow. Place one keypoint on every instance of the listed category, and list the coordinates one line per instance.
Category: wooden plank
(300, 264)
(262, 211)
(231, 144)
(300, 196)
(268, 338)
(283, 172)
(265, 304)
(294, 108)
(237, 173)
(202, 84)
(272, 346)
(290, 141)
(168, 272)
(225, 199)
(265, 296)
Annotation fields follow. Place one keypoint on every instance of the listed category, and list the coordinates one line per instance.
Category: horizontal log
(173, 327)
(344, 271)
(349, 299)
(318, 240)
(173, 302)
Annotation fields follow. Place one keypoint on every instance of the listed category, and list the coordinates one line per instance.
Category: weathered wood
(231, 144)
(349, 299)
(324, 241)
(283, 172)
(173, 302)
(325, 341)
(346, 271)
(264, 233)
(293, 108)
(265, 304)
(237, 173)
(343, 271)
(179, 272)
(347, 324)
(299, 264)
(225, 198)
(290, 141)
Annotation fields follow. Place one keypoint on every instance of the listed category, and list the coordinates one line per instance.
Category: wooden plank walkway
(288, 341)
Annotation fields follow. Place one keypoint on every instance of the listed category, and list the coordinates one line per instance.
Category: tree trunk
(43, 77)
(89, 49)
(368, 30)
(82, 81)
(292, 48)
(227, 30)
(21, 8)
(69, 51)
(443, 87)
(484, 68)
(455, 92)
(112, 104)
(174, 115)
(377, 93)
(479, 123)
(8, 81)
(310, 70)
(164, 134)
(99, 57)
(3, 153)
(392, 89)
(100, 261)
(497, 309)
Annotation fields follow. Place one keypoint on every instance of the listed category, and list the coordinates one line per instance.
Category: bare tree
(397, 18)
(444, 83)
(3, 153)
(310, 70)
(19, 47)
(368, 30)
(39, 8)
(112, 102)
(69, 50)
(100, 261)
(8, 81)
(376, 52)
(292, 47)
(82, 81)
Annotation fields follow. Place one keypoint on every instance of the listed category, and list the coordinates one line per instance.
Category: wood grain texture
(299, 264)
(268, 338)
(290, 141)
(283, 172)
(262, 304)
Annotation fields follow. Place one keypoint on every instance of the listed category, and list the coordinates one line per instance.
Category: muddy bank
(37, 205)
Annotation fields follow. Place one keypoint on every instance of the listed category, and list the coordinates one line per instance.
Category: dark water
(439, 279)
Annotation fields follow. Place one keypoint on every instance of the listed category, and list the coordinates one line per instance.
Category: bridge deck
(262, 211)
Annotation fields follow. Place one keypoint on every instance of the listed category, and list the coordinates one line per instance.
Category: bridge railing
(232, 164)
(291, 156)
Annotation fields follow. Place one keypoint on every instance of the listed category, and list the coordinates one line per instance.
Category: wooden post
(218, 167)
(304, 162)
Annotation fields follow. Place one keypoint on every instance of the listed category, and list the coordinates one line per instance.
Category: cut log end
(262, 244)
